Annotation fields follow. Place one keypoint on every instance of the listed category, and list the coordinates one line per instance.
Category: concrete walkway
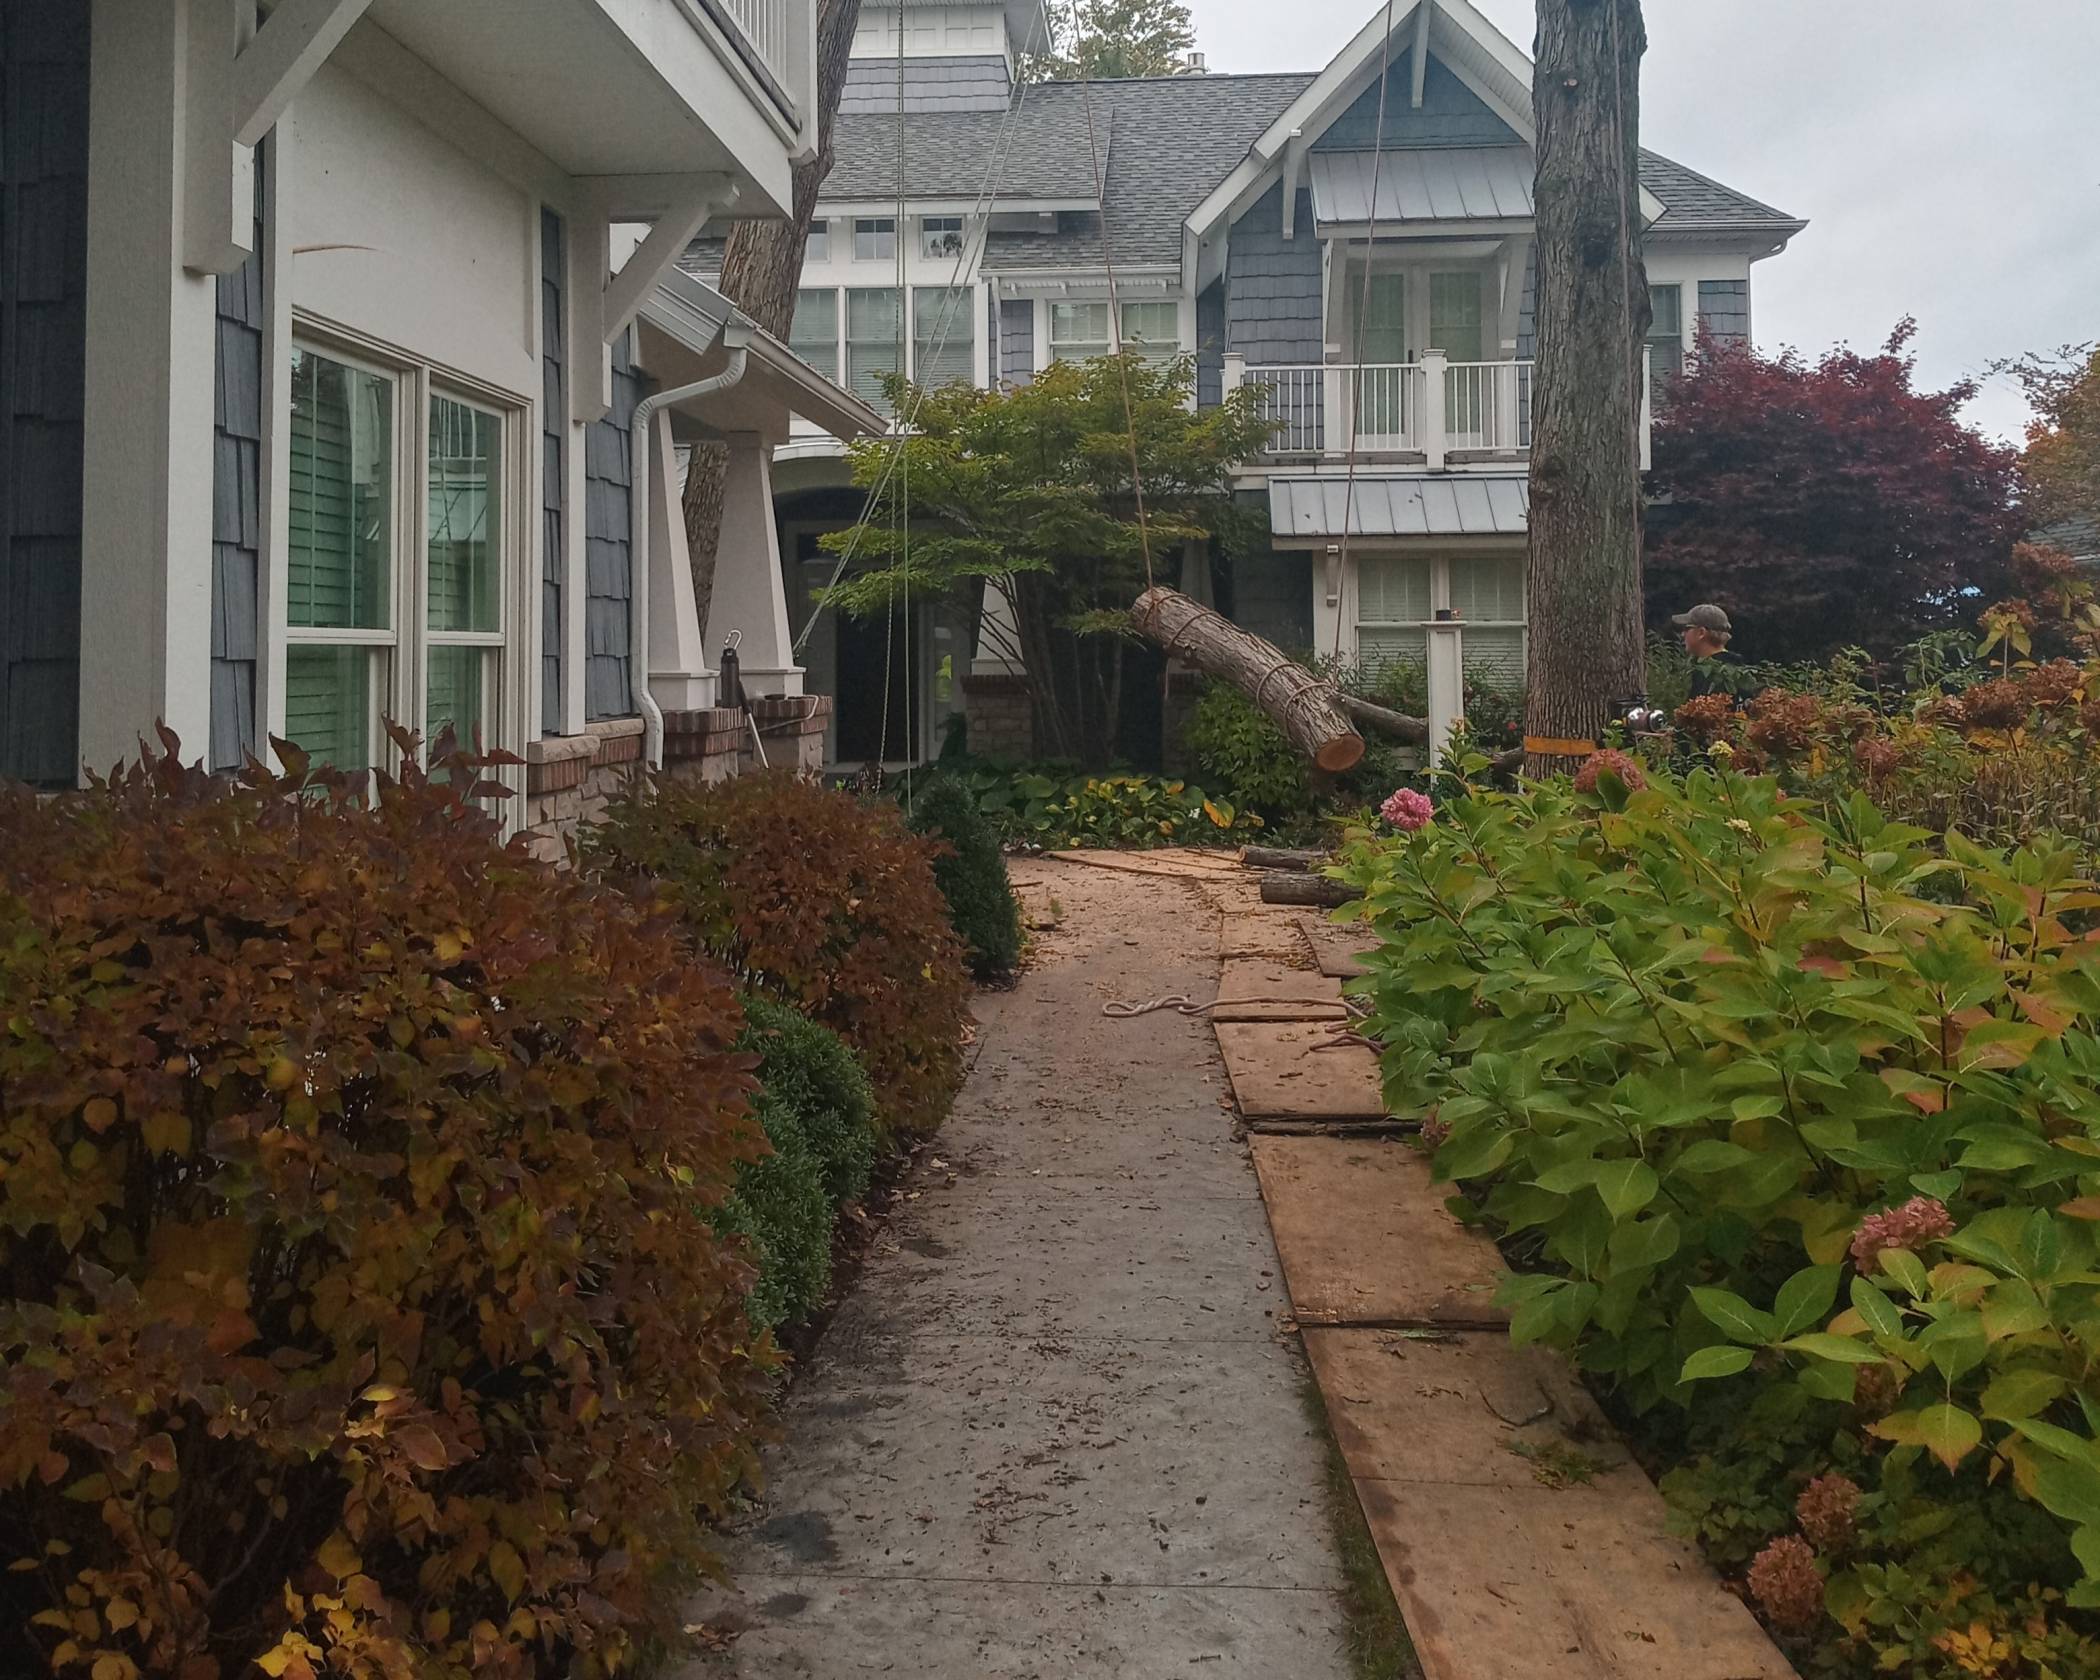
(1056, 1431)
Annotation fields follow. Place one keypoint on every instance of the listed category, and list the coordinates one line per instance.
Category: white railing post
(1433, 417)
(1446, 685)
(1235, 370)
(1647, 408)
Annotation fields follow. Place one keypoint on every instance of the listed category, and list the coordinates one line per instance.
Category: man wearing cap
(1706, 633)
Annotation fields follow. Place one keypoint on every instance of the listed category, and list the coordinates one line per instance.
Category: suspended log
(1278, 888)
(1303, 706)
(1281, 857)
(1413, 730)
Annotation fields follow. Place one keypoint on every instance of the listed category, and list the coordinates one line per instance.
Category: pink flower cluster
(1787, 1585)
(1917, 1222)
(1407, 810)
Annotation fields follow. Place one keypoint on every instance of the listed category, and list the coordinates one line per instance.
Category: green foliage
(818, 1111)
(1753, 1086)
(972, 874)
(1115, 38)
(356, 1315)
(1241, 752)
(820, 900)
(1055, 809)
(1028, 490)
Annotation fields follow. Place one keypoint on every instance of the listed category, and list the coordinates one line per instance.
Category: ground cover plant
(357, 1317)
(1055, 806)
(818, 899)
(1788, 1117)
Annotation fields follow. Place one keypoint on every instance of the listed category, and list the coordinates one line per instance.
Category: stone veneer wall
(1000, 717)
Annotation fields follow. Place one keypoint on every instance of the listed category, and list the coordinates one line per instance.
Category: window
(1397, 600)
(388, 615)
(875, 239)
(1392, 613)
(943, 344)
(1153, 330)
(814, 333)
(1665, 335)
(1078, 330)
(940, 236)
(817, 248)
(874, 328)
(1489, 597)
(339, 579)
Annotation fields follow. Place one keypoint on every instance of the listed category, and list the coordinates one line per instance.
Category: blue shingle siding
(1210, 345)
(554, 478)
(1724, 310)
(236, 499)
(1452, 114)
(608, 470)
(43, 381)
(1272, 285)
(1017, 340)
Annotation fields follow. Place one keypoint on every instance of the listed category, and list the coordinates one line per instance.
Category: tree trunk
(1584, 573)
(1401, 727)
(1307, 889)
(761, 267)
(1302, 705)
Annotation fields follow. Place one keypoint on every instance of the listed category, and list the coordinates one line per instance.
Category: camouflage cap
(1705, 616)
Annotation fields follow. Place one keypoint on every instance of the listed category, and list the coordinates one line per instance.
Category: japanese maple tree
(1825, 504)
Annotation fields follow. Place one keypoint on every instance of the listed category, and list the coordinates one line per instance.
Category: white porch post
(1235, 371)
(146, 526)
(750, 594)
(1647, 411)
(1435, 424)
(1447, 689)
(679, 677)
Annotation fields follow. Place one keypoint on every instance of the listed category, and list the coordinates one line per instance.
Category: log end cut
(1342, 752)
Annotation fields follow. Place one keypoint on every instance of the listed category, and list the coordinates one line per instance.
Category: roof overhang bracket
(1420, 67)
(239, 79)
(1293, 173)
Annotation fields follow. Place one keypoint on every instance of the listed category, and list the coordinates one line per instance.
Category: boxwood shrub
(355, 1315)
(972, 875)
(819, 900)
(819, 1115)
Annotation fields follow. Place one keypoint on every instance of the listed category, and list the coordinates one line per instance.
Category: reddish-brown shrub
(1783, 724)
(2055, 684)
(826, 901)
(1609, 761)
(1705, 717)
(2000, 703)
(357, 1316)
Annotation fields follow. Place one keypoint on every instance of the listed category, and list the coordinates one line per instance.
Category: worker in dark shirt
(1706, 635)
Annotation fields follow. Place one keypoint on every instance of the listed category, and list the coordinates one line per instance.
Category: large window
(1665, 335)
(875, 239)
(1153, 329)
(874, 338)
(940, 236)
(1078, 330)
(817, 247)
(387, 614)
(814, 333)
(1398, 599)
(943, 346)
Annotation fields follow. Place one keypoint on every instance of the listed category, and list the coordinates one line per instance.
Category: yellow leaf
(98, 1114)
(506, 1569)
(338, 1556)
(167, 1131)
(110, 1666)
(274, 1661)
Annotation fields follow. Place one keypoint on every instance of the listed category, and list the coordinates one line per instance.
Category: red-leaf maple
(1825, 504)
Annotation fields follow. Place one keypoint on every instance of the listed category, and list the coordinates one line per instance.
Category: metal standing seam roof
(1400, 505)
(1444, 184)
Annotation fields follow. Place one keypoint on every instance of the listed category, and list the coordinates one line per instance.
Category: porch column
(679, 677)
(146, 525)
(1436, 425)
(750, 594)
(1447, 688)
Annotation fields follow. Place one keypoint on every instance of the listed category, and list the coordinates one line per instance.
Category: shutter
(1392, 591)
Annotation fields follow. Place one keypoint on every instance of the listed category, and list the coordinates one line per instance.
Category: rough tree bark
(1302, 705)
(761, 267)
(1584, 569)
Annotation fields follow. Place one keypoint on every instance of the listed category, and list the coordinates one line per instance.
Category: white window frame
(1440, 569)
(874, 229)
(940, 237)
(1417, 279)
(1152, 350)
(817, 247)
(404, 695)
(1080, 349)
(1662, 340)
(836, 373)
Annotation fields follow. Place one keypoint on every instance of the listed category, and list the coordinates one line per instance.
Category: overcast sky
(1946, 154)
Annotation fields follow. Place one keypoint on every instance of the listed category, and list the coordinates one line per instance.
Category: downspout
(736, 339)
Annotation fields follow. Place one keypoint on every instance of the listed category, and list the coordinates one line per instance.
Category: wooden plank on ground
(1365, 1237)
(1254, 989)
(1338, 951)
(1278, 1073)
(1166, 860)
(1259, 933)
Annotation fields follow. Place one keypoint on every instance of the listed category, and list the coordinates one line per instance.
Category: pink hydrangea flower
(1612, 760)
(1407, 810)
(1917, 1222)
(1787, 1585)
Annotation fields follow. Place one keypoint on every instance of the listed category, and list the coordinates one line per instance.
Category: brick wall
(1001, 717)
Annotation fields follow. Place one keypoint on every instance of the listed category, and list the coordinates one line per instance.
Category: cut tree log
(1281, 857)
(1304, 707)
(1413, 730)
(1279, 888)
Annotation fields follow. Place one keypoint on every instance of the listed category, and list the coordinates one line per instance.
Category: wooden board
(1365, 1238)
(1166, 860)
(1253, 989)
(1278, 1074)
(1263, 933)
(1337, 950)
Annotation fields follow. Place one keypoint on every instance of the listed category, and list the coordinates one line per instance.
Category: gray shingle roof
(2078, 536)
(1692, 200)
(947, 154)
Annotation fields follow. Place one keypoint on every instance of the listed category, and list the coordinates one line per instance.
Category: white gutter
(736, 339)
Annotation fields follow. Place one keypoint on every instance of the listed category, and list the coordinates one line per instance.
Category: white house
(326, 322)
(1375, 285)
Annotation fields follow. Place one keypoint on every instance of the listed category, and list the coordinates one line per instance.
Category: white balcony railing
(1430, 408)
(767, 30)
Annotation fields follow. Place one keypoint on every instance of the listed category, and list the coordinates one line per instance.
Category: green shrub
(356, 1317)
(820, 900)
(1240, 751)
(1057, 809)
(818, 1111)
(1761, 1091)
(972, 875)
